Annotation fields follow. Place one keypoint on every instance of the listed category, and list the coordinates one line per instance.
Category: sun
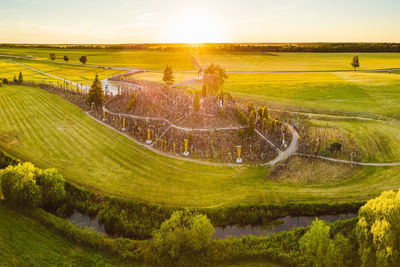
(195, 28)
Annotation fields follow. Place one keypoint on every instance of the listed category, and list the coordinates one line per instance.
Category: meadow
(351, 92)
(231, 61)
(50, 132)
(24, 242)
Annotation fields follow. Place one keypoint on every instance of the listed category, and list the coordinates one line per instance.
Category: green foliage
(314, 244)
(355, 62)
(96, 94)
(222, 112)
(83, 59)
(66, 59)
(196, 101)
(378, 230)
(204, 90)
(52, 56)
(242, 118)
(182, 238)
(252, 120)
(53, 188)
(168, 76)
(132, 102)
(214, 78)
(335, 147)
(19, 187)
(20, 78)
(250, 107)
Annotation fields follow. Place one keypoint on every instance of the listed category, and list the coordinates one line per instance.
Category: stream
(283, 224)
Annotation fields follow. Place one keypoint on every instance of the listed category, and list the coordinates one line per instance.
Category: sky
(160, 21)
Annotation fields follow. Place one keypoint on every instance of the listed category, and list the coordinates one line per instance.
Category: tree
(252, 119)
(378, 230)
(15, 80)
(132, 102)
(251, 107)
(214, 78)
(314, 244)
(52, 187)
(183, 238)
(19, 187)
(355, 62)
(196, 101)
(168, 77)
(96, 94)
(66, 59)
(204, 91)
(83, 59)
(52, 56)
(20, 78)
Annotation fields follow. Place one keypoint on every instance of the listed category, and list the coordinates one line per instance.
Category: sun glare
(195, 28)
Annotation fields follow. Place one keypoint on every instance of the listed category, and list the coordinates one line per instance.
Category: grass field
(299, 61)
(145, 59)
(235, 61)
(24, 242)
(365, 93)
(39, 127)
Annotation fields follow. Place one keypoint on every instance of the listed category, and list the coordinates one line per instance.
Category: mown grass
(298, 61)
(365, 93)
(50, 132)
(146, 59)
(8, 70)
(24, 242)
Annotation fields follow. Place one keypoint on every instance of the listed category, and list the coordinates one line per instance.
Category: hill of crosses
(203, 124)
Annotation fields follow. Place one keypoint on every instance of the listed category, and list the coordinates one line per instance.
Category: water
(283, 224)
(83, 221)
(288, 223)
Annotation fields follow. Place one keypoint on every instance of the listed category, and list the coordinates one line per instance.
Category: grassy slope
(24, 242)
(352, 92)
(299, 61)
(50, 132)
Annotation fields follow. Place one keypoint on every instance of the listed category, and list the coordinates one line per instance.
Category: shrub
(242, 118)
(222, 112)
(196, 102)
(251, 107)
(182, 238)
(19, 186)
(335, 146)
(53, 188)
(132, 102)
(252, 119)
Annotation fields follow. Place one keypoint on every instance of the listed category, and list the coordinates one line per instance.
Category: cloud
(146, 16)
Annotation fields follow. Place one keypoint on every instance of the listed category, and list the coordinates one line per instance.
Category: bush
(19, 186)
(222, 112)
(251, 107)
(242, 118)
(252, 119)
(53, 188)
(183, 238)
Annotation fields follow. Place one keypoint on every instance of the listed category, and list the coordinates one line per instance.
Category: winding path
(282, 155)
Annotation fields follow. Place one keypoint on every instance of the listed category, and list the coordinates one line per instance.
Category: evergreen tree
(168, 77)
(20, 78)
(196, 102)
(15, 79)
(355, 62)
(252, 119)
(96, 94)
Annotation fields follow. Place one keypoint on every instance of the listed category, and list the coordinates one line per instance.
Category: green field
(24, 242)
(145, 59)
(364, 93)
(299, 61)
(158, 76)
(233, 61)
(39, 127)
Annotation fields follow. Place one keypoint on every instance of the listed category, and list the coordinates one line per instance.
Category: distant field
(235, 61)
(145, 59)
(39, 127)
(352, 92)
(24, 242)
(299, 61)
